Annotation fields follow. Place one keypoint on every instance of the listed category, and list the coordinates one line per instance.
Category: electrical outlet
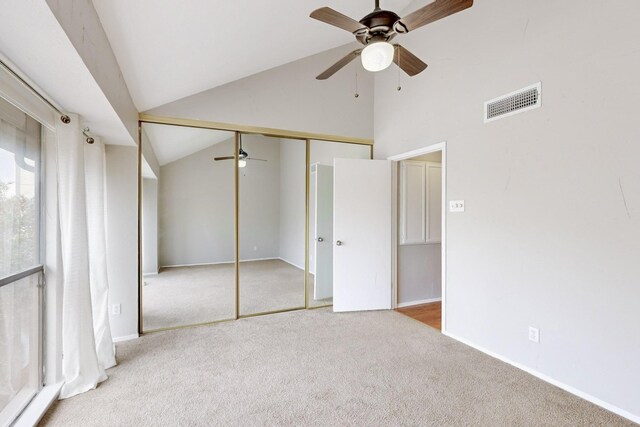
(456, 206)
(116, 309)
(534, 334)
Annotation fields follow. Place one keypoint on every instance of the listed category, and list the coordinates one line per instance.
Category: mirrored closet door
(272, 209)
(188, 226)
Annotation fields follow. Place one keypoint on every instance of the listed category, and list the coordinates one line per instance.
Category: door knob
(320, 239)
(338, 243)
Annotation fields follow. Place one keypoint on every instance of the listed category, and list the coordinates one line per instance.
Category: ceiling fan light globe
(377, 56)
(242, 163)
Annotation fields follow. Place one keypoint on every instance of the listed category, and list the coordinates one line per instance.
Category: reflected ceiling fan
(243, 156)
(377, 29)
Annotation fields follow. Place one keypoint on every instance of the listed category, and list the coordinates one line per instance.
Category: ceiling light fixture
(377, 56)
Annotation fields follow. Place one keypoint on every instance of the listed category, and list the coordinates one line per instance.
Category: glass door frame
(303, 137)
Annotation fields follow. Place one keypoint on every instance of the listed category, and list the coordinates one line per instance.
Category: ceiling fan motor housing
(380, 26)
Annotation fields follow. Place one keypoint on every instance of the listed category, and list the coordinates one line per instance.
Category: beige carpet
(190, 295)
(318, 368)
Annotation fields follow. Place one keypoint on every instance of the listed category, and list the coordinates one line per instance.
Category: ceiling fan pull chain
(399, 88)
(357, 94)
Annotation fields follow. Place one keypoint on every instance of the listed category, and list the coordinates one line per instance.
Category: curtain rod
(63, 117)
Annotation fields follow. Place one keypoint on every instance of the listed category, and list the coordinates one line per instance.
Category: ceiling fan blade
(432, 12)
(260, 160)
(338, 65)
(224, 158)
(337, 19)
(407, 61)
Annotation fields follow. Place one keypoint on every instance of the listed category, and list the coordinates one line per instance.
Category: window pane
(19, 358)
(19, 190)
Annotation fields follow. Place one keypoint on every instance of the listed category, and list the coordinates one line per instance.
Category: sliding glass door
(20, 262)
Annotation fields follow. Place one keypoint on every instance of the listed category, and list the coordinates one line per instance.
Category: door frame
(440, 146)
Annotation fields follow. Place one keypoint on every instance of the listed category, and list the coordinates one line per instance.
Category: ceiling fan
(378, 28)
(243, 156)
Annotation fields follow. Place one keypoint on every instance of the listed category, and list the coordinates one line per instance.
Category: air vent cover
(516, 102)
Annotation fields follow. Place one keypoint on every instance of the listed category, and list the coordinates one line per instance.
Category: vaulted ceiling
(168, 50)
(171, 143)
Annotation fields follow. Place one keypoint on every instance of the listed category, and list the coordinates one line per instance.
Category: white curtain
(94, 160)
(85, 358)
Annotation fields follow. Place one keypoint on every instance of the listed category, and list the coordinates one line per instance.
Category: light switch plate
(456, 206)
(116, 309)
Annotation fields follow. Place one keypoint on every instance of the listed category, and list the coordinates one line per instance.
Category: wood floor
(430, 314)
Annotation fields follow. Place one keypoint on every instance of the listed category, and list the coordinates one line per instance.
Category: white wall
(550, 236)
(289, 97)
(122, 237)
(196, 208)
(150, 226)
(293, 160)
(260, 199)
(196, 205)
(419, 273)
(196, 224)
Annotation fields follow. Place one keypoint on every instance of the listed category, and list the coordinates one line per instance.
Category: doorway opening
(419, 243)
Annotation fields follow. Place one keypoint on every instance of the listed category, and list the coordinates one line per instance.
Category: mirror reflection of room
(272, 198)
(188, 223)
(321, 239)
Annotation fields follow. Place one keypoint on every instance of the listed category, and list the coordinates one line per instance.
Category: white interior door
(362, 235)
(323, 232)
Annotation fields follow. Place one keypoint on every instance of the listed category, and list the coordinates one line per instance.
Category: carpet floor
(320, 368)
(181, 296)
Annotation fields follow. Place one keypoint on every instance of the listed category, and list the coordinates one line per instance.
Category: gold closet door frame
(304, 137)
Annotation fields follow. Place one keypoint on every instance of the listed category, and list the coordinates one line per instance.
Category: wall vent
(521, 100)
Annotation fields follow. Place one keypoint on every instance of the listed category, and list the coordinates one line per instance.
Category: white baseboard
(149, 274)
(546, 378)
(36, 409)
(196, 265)
(418, 302)
(218, 263)
(290, 263)
(126, 338)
